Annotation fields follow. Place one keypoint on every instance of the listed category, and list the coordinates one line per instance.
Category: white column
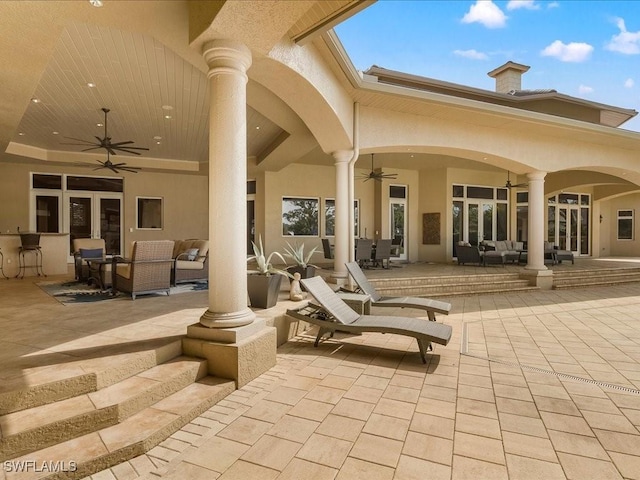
(535, 238)
(228, 63)
(343, 210)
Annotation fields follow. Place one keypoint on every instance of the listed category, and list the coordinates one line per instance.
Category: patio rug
(79, 292)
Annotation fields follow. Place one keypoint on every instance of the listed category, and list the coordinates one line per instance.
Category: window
(625, 224)
(300, 216)
(330, 217)
(149, 213)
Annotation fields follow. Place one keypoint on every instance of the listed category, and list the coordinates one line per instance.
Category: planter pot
(263, 290)
(307, 272)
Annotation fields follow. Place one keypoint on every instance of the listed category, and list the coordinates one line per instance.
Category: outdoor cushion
(91, 252)
(189, 265)
(192, 254)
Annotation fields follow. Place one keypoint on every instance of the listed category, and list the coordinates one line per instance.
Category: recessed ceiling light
(258, 127)
(95, 3)
(21, 134)
(56, 133)
(168, 117)
(157, 143)
(167, 107)
(99, 124)
(35, 100)
(91, 85)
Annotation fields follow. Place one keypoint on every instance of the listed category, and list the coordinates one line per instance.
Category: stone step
(611, 279)
(460, 289)
(132, 437)
(443, 280)
(39, 427)
(595, 273)
(37, 380)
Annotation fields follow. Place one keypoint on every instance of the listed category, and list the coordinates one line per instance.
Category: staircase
(587, 278)
(106, 409)
(437, 286)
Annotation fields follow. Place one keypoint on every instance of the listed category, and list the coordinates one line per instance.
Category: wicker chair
(84, 248)
(148, 270)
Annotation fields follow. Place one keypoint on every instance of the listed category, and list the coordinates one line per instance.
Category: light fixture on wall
(600, 218)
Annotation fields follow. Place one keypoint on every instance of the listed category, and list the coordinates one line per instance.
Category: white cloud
(629, 83)
(625, 42)
(528, 4)
(568, 52)
(553, 5)
(486, 13)
(472, 54)
(584, 89)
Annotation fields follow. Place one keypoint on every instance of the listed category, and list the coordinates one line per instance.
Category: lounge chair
(334, 314)
(430, 306)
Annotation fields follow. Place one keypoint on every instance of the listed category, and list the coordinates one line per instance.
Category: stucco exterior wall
(184, 201)
(435, 197)
(609, 234)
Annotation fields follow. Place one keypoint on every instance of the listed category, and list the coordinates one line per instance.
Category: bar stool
(30, 242)
(2, 265)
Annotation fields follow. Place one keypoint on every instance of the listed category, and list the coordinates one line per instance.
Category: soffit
(135, 76)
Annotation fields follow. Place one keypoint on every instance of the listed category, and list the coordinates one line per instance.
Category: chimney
(508, 77)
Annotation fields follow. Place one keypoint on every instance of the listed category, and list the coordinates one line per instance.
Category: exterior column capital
(537, 175)
(342, 156)
(226, 56)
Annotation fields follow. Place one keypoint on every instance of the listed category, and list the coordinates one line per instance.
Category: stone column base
(247, 358)
(338, 279)
(542, 279)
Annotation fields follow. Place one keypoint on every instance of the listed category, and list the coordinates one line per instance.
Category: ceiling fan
(377, 176)
(513, 185)
(116, 167)
(111, 148)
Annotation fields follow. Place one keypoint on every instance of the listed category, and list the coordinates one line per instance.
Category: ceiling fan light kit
(111, 147)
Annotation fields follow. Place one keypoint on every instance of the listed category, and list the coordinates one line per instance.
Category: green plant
(296, 253)
(263, 262)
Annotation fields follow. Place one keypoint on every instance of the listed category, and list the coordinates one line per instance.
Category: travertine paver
(365, 407)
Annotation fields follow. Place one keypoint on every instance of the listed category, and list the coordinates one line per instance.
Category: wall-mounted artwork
(431, 228)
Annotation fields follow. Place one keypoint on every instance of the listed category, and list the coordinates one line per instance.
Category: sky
(588, 49)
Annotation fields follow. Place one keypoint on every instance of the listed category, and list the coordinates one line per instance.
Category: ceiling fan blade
(130, 169)
(128, 147)
(132, 152)
(92, 148)
(117, 144)
(78, 139)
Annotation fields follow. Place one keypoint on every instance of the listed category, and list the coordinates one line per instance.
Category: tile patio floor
(533, 385)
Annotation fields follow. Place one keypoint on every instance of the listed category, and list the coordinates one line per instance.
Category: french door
(398, 210)
(94, 215)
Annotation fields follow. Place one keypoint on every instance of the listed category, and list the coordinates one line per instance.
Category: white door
(94, 215)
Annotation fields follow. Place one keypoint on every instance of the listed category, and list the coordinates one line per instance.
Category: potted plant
(263, 283)
(302, 265)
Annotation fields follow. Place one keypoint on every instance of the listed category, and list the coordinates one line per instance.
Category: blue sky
(586, 49)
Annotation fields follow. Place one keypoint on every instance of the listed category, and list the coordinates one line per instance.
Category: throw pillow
(91, 253)
(192, 254)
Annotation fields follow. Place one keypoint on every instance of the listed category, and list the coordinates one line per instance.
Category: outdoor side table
(360, 303)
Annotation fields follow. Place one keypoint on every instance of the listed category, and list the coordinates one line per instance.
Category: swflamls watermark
(39, 466)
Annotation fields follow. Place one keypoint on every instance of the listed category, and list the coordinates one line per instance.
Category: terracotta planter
(263, 290)
(307, 272)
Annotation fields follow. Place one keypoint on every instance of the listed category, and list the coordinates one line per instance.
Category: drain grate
(557, 374)
(465, 351)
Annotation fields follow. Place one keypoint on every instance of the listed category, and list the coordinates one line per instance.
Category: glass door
(480, 222)
(94, 215)
(398, 228)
